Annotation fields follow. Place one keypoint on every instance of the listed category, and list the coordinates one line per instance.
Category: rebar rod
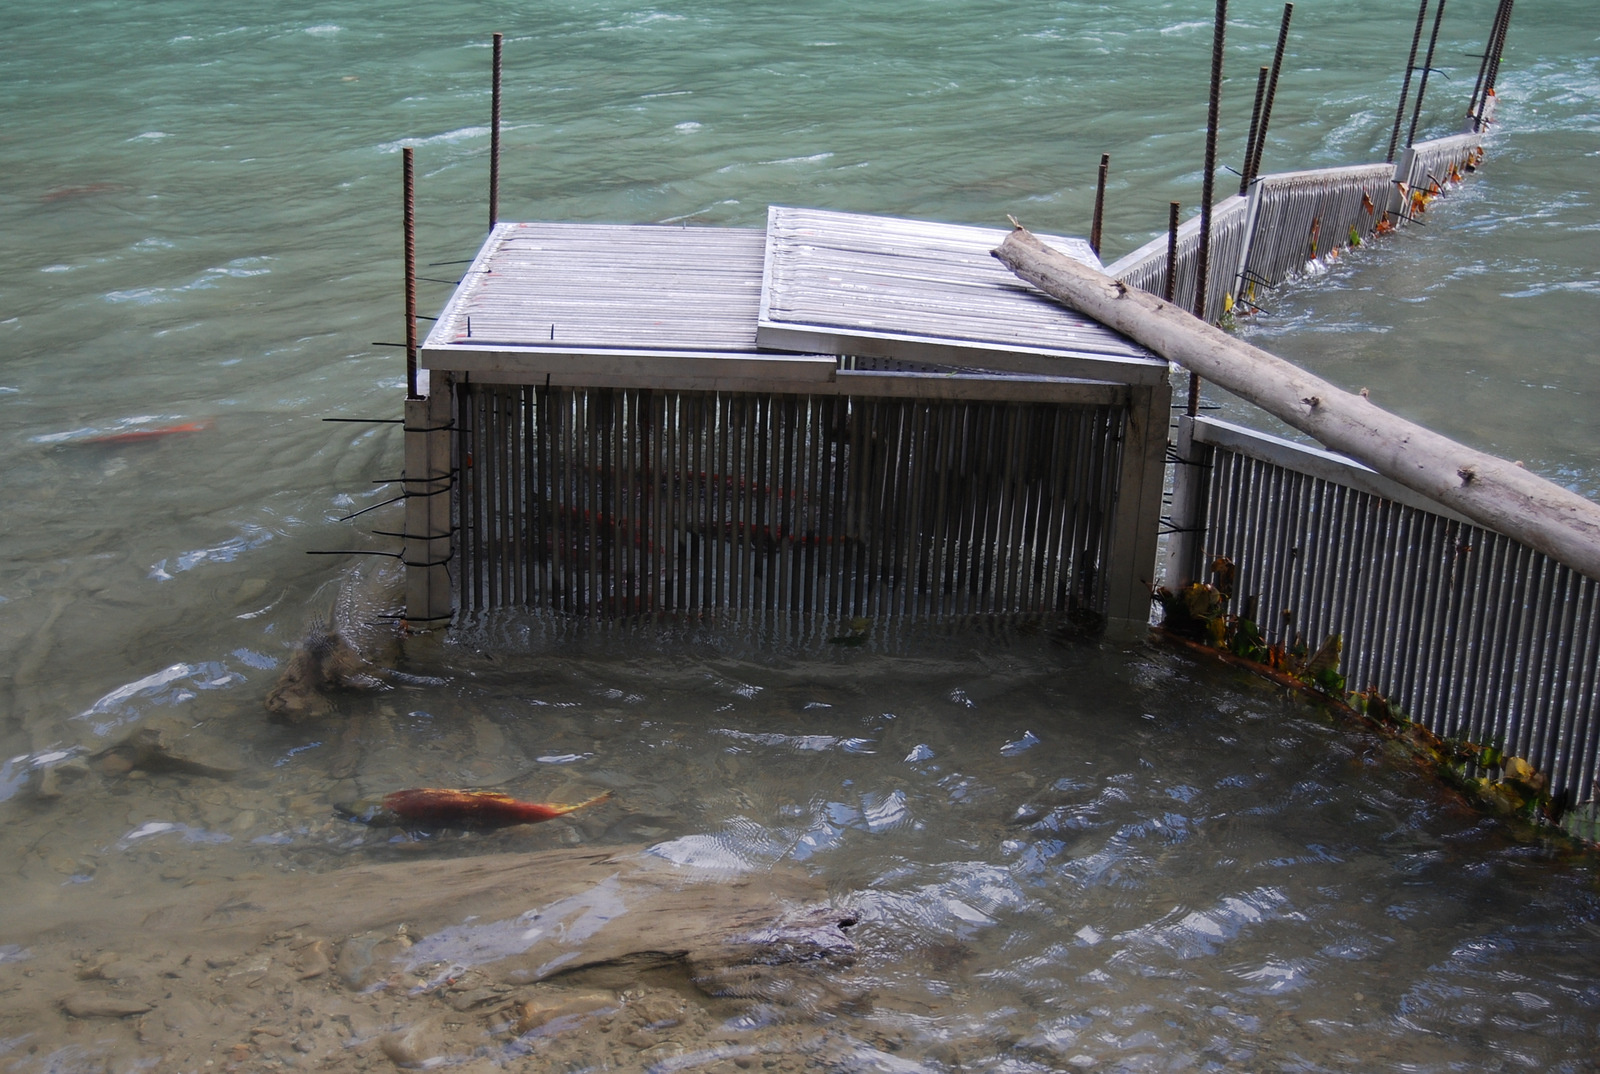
(1171, 287)
(1208, 181)
(494, 136)
(1483, 65)
(1099, 204)
(1500, 46)
(1427, 66)
(1255, 121)
(409, 223)
(1405, 83)
(1272, 89)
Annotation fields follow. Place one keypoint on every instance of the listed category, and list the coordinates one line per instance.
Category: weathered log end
(1034, 261)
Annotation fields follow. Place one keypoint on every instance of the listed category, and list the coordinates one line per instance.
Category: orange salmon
(438, 807)
(135, 436)
(87, 190)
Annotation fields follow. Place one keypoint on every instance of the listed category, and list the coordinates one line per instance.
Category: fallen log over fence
(1490, 491)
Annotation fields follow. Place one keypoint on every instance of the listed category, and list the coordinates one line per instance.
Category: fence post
(1398, 205)
(408, 225)
(1191, 473)
(429, 483)
(1252, 217)
(1136, 525)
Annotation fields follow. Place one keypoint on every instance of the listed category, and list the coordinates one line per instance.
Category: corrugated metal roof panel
(846, 280)
(607, 287)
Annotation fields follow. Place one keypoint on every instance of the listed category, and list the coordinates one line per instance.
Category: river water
(1062, 854)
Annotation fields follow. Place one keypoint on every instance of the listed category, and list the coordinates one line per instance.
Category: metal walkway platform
(613, 305)
(622, 302)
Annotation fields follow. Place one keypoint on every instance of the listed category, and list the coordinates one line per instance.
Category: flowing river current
(1052, 853)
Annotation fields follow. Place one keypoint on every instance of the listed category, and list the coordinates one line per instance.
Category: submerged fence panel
(621, 501)
(1426, 168)
(1293, 218)
(1469, 632)
(1298, 217)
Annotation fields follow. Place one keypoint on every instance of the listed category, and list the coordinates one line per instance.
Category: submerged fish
(86, 190)
(439, 807)
(136, 436)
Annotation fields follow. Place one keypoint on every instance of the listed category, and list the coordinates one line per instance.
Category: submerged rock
(349, 650)
(549, 1005)
(100, 1005)
(421, 1044)
(324, 660)
(791, 962)
(49, 780)
(170, 745)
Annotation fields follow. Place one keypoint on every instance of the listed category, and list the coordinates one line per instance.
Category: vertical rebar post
(1405, 83)
(1272, 90)
(1255, 121)
(1099, 204)
(494, 136)
(409, 215)
(1427, 65)
(1491, 62)
(1499, 50)
(1208, 182)
(1171, 289)
(1473, 107)
(1170, 293)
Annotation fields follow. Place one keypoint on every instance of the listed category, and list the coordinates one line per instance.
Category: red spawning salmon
(137, 436)
(439, 807)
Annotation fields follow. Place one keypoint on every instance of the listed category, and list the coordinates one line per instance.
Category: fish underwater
(141, 436)
(440, 807)
(125, 431)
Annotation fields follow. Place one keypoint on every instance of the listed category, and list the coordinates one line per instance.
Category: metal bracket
(432, 563)
(350, 552)
(451, 532)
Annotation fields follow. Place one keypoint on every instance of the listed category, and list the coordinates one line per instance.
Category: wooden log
(1492, 492)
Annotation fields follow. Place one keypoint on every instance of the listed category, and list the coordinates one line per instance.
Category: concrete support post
(1190, 489)
(429, 482)
(1136, 527)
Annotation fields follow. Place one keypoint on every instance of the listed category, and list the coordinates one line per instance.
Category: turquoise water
(200, 205)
